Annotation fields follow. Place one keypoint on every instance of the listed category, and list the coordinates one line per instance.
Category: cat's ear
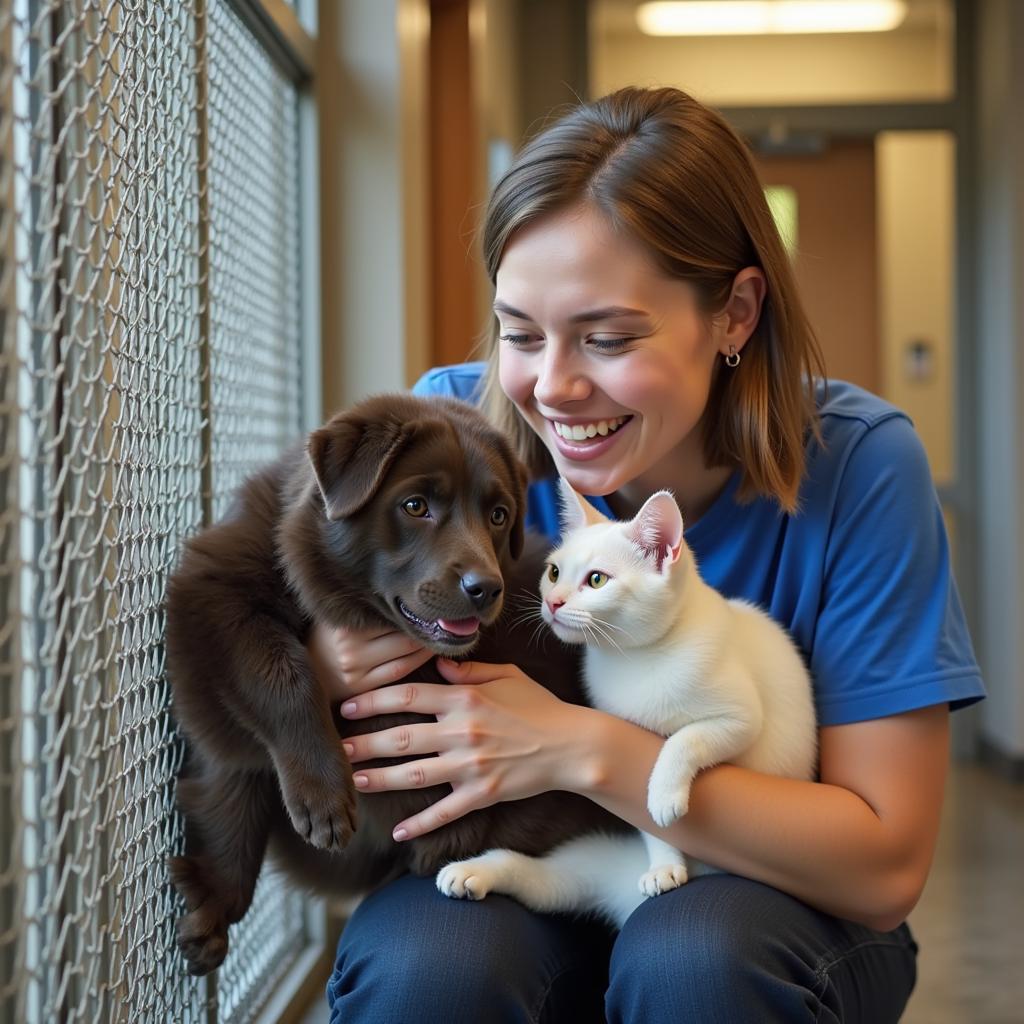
(574, 511)
(658, 528)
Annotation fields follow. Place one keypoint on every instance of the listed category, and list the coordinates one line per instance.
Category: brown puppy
(408, 513)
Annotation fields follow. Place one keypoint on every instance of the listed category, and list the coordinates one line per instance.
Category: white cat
(718, 677)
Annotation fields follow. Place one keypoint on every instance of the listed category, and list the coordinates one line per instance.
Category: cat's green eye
(552, 572)
(597, 579)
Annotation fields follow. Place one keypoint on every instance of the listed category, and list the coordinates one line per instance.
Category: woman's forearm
(821, 843)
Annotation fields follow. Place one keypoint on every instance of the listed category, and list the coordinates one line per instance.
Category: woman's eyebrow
(504, 307)
(605, 313)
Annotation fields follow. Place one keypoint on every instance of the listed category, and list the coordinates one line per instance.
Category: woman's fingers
(391, 671)
(430, 771)
(352, 661)
(421, 698)
(473, 671)
(401, 741)
(456, 804)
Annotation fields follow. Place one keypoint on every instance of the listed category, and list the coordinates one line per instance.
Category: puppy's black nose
(483, 591)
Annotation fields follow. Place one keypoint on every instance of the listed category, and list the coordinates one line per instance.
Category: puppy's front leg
(284, 705)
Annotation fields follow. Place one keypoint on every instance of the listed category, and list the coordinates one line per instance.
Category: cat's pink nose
(553, 606)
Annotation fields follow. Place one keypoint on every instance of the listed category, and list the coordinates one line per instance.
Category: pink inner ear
(658, 529)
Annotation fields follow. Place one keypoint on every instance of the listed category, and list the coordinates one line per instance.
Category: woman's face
(608, 360)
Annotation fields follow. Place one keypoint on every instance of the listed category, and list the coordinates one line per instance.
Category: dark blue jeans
(720, 949)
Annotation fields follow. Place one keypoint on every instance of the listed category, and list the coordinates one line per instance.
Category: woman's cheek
(513, 375)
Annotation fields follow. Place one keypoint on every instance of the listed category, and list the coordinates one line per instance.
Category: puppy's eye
(499, 516)
(597, 579)
(552, 572)
(415, 507)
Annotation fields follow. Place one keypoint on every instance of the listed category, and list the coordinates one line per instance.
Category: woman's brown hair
(672, 173)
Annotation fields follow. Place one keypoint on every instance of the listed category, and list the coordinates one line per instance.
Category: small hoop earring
(733, 358)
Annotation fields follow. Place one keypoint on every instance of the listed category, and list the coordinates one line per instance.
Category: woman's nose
(560, 380)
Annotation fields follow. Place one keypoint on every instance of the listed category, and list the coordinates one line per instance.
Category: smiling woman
(650, 337)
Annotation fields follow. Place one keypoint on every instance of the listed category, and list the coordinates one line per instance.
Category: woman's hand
(498, 736)
(352, 661)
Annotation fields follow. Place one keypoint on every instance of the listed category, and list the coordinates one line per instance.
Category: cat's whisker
(538, 631)
(609, 625)
(527, 615)
(599, 629)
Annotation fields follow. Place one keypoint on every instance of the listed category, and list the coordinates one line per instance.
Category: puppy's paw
(662, 878)
(203, 938)
(667, 801)
(321, 811)
(203, 931)
(465, 880)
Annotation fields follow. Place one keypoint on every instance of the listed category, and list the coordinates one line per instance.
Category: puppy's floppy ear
(350, 458)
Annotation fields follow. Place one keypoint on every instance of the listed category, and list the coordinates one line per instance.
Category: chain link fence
(150, 323)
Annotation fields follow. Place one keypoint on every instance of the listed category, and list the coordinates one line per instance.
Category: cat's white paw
(662, 878)
(465, 880)
(667, 803)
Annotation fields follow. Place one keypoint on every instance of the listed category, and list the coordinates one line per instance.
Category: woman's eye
(597, 579)
(415, 507)
(499, 516)
(513, 338)
(610, 343)
(553, 573)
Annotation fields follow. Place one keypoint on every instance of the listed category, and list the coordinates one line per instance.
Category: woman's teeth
(581, 431)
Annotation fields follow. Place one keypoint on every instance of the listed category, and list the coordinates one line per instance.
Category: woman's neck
(695, 491)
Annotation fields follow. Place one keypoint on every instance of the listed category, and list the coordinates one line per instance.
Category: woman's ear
(742, 311)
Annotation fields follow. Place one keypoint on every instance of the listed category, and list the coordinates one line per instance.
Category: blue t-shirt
(860, 576)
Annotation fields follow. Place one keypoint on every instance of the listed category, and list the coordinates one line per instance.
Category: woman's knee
(709, 951)
(724, 948)
(409, 953)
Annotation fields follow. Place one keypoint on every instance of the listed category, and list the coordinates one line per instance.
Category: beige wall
(370, 93)
(915, 280)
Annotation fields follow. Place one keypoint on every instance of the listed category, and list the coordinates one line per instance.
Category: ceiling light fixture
(757, 17)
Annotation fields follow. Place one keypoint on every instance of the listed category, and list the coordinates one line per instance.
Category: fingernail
(399, 834)
(348, 748)
(361, 781)
(348, 707)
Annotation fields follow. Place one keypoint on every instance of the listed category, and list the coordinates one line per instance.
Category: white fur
(719, 678)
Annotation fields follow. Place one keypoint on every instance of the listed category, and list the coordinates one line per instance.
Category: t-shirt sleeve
(890, 635)
(459, 381)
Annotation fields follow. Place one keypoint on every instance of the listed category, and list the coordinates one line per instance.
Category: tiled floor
(970, 921)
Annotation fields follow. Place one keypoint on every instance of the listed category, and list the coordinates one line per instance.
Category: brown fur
(325, 538)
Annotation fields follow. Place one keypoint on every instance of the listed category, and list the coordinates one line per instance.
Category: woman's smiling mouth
(583, 431)
(588, 439)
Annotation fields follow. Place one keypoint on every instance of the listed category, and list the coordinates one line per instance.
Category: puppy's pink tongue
(460, 627)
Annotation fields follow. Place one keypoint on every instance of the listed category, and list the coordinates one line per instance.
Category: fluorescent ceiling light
(755, 17)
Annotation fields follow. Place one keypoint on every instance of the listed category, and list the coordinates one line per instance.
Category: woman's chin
(593, 483)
